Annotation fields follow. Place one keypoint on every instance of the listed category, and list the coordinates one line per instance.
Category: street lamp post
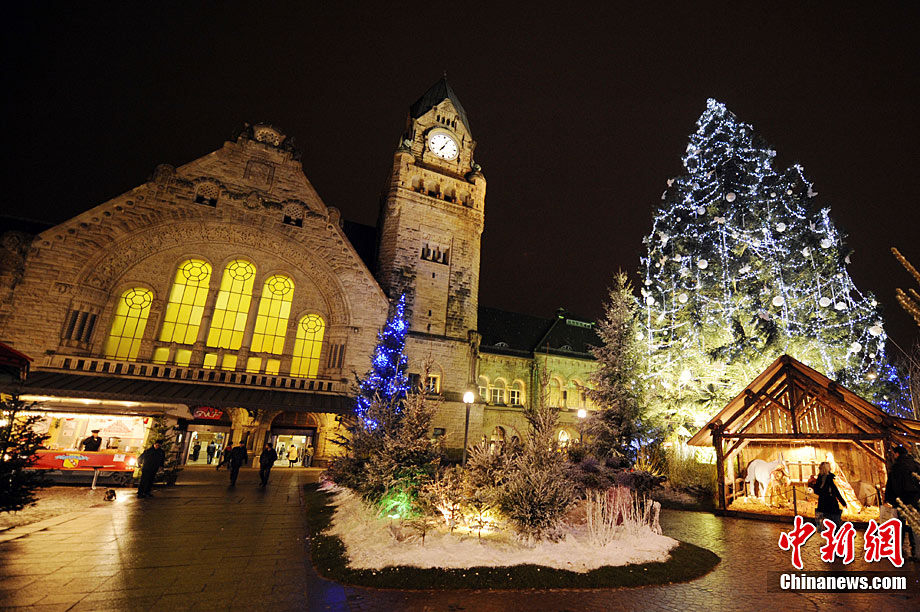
(468, 399)
(582, 413)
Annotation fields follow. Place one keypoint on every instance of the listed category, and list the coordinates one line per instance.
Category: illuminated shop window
(272, 318)
(187, 297)
(232, 306)
(128, 324)
(308, 346)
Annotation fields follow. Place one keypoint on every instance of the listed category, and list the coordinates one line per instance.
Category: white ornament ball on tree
(826, 243)
(856, 347)
(682, 298)
(702, 264)
(701, 210)
(781, 227)
(778, 301)
(650, 301)
(840, 306)
(876, 330)
(730, 196)
(824, 302)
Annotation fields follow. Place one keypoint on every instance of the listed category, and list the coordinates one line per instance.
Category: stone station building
(225, 294)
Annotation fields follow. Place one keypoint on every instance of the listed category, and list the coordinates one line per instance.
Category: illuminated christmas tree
(743, 267)
(383, 389)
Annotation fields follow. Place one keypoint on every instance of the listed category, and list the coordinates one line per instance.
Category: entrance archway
(298, 430)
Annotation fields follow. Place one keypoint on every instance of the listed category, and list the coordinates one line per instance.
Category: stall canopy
(14, 366)
(790, 403)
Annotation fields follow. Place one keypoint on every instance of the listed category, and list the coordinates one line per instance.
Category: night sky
(581, 114)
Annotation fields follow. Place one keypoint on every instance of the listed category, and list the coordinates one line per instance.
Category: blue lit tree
(741, 268)
(383, 389)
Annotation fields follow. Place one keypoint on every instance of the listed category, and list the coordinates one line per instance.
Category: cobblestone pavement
(55, 501)
(204, 546)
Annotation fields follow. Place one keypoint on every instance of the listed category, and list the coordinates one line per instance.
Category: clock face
(443, 145)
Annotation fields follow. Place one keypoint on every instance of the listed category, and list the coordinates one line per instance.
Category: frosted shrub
(619, 511)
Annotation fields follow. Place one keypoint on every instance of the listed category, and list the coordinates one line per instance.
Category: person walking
(266, 461)
(903, 486)
(282, 452)
(225, 456)
(209, 450)
(828, 496)
(238, 457)
(308, 456)
(196, 450)
(292, 455)
(151, 461)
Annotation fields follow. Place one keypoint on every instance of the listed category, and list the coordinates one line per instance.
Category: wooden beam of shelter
(872, 452)
(829, 437)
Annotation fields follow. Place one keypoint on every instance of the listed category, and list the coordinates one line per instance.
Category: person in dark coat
(903, 485)
(196, 450)
(828, 496)
(210, 449)
(238, 458)
(151, 461)
(266, 461)
(92, 443)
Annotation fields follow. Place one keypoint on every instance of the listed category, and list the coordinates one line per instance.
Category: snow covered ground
(372, 544)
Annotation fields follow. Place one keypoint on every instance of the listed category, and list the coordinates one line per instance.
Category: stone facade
(60, 287)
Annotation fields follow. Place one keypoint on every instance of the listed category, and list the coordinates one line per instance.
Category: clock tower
(431, 218)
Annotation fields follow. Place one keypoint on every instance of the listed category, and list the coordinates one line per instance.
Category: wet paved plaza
(203, 546)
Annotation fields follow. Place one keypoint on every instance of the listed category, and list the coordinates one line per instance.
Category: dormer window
(207, 194)
(501, 344)
(267, 135)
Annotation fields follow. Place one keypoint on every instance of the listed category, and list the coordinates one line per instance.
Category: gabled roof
(792, 400)
(436, 94)
(14, 362)
(519, 334)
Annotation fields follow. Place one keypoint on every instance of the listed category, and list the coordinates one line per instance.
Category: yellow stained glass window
(308, 346)
(232, 307)
(161, 355)
(210, 361)
(183, 357)
(229, 362)
(128, 324)
(187, 298)
(272, 318)
(272, 366)
(253, 365)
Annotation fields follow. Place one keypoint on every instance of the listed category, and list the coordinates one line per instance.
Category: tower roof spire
(436, 94)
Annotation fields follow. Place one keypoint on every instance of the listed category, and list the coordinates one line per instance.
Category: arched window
(516, 394)
(563, 438)
(128, 324)
(272, 318)
(308, 346)
(186, 302)
(232, 307)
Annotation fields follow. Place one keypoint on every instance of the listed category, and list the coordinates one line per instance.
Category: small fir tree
(616, 429)
(18, 443)
(741, 268)
(538, 491)
(162, 431)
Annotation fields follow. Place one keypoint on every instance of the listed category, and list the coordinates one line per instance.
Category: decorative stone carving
(259, 173)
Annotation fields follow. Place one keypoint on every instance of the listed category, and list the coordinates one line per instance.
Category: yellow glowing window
(187, 297)
(274, 310)
(128, 324)
(308, 346)
(229, 362)
(272, 366)
(161, 355)
(254, 364)
(183, 357)
(210, 360)
(232, 306)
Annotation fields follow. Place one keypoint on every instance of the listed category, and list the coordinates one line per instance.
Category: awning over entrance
(121, 388)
